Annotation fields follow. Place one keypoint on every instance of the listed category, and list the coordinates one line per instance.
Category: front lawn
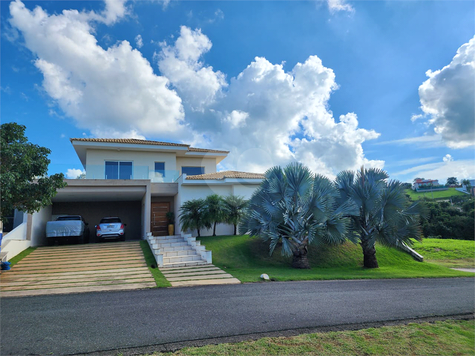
(246, 258)
(448, 252)
(454, 337)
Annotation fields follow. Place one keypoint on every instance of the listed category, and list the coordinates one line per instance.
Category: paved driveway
(78, 268)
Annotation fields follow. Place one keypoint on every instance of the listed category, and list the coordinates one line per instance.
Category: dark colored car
(110, 228)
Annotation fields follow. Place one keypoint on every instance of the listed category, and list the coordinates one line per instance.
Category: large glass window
(159, 169)
(192, 171)
(118, 170)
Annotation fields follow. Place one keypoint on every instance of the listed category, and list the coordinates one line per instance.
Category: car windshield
(63, 218)
(110, 220)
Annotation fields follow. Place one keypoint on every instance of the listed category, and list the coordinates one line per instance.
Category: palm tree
(193, 215)
(234, 209)
(296, 208)
(214, 210)
(384, 213)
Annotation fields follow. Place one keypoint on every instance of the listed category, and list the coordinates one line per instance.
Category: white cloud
(266, 116)
(447, 158)
(428, 141)
(441, 170)
(339, 5)
(103, 90)
(73, 173)
(412, 161)
(139, 41)
(448, 98)
(197, 84)
(237, 118)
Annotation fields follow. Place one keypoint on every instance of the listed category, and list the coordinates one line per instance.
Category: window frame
(158, 171)
(203, 170)
(119, 169)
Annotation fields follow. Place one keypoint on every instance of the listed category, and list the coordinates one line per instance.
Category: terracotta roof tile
(146, 142)
(194, 149)
(226, 174)
(129, 140)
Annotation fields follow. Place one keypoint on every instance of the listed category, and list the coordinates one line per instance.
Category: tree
(296, 208)
(384, 213)
(193, 215)
(23, 173)
(468, 185)
(214, 210)
(452, 180)
(234, 206)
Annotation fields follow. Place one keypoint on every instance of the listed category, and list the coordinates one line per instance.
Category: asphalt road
(79, 323)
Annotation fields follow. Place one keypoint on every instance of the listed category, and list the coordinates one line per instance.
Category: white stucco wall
(245, 190)
(208, 163)
(188, 192)
(143, 162)
(38, 226)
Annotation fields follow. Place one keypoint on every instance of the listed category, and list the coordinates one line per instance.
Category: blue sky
(334, 85)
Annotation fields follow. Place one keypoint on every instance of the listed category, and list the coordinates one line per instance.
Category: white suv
(110, 228)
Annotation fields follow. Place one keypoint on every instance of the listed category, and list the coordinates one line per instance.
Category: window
(192, 171)
(118, 170)
(159, 169)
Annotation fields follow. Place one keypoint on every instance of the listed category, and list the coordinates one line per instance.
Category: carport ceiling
(90, 194)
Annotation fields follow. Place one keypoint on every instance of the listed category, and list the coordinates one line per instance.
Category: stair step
(205, 282)
(206, 277)
(177, 253)
(185, 264)
(170, 244)
(170, 239)
(177, 248)
(183, 258)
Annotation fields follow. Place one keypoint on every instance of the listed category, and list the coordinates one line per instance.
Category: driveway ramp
(77, 269)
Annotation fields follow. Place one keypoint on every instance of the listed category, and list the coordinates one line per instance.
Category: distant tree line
(450, 220)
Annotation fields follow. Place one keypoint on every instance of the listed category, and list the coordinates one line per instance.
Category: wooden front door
(159, 221)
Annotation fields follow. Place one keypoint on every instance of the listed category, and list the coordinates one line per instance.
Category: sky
(335, 85)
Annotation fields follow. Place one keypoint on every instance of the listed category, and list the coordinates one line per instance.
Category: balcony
(130, 171)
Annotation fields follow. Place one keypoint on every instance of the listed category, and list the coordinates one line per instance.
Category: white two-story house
(140, 181)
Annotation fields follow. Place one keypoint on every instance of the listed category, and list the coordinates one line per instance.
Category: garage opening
(130, 212)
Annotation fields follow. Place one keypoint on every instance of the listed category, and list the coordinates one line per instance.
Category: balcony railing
(130, 172)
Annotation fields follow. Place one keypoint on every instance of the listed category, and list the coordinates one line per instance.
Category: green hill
(247, 258)
(443, 194)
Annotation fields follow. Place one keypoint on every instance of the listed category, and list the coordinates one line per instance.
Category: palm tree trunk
(235, 229)
(369, 253)
(198, 232)
(214, 229)
(300, 259)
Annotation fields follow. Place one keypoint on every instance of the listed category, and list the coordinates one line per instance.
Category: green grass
(447, 252)
(443, 194)
(14, 260)
(442, 338)
(150, 260)
(246, 258)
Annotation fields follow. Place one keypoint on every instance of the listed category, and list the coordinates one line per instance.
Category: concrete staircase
(178, 251)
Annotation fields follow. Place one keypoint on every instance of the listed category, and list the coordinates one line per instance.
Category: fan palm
(193, 215)
(214, 210)
(296, 208)
(384, 213)
(234, 209)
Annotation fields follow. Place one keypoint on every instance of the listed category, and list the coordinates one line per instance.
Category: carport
(95, 199)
